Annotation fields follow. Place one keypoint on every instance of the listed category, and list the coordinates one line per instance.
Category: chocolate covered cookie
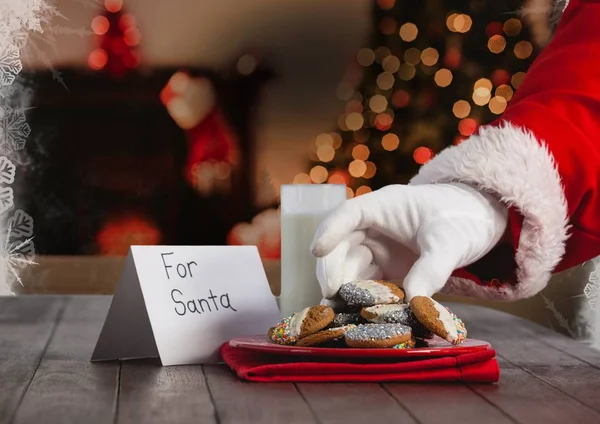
(329, 335)
(371, 292)
(302, 324)
(438, 319)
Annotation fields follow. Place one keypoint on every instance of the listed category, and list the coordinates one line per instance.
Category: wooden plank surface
(545, 377)
(446, 403)
(239, 402)
(26, 326)
(67, 388)
(353, 403)
(575, 383)
(151, 394)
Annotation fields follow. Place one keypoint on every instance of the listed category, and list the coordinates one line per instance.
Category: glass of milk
(303, 208)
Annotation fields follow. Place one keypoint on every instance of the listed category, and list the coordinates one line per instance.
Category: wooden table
(46, 377)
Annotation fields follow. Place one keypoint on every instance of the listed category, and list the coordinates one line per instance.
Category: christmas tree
(117, 39)
(430, 77)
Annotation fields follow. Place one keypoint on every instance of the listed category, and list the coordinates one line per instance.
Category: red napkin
(477, 367)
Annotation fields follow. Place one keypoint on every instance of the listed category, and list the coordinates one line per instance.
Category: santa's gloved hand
(419, 233)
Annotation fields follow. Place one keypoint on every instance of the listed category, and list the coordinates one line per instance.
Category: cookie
(302, 324)
(371, 292)
(396, 314)
(406, 345)
(377, 335)
(346, 318)
(438, 319)
(324, 336)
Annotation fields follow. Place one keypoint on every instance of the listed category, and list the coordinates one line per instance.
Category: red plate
(438, 347)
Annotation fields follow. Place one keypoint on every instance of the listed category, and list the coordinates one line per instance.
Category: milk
(303, 208)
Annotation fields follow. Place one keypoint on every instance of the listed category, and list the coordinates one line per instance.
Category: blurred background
(156, 122)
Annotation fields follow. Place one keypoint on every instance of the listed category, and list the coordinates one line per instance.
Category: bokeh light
(357, 168)
(100, 25)
(409, 32)
(113, 5)
(378, 103)
(412, 56)
(517, 79)
(505, 91)
(390, 142)
(363, 190)
(461, 109)
(523, 49)
(302, 179)
(387, 26)
(496, 44)
(365, 57)
(443, 77)
(467, 126)
(371, 170)
(497, 105)
(512, 27)
(406, 72)
(422, 155)
(391, 64)
(319, 174)
(481, 96)
(360, 152)
(400, 98)
(97, 59)
(325, 153)
(430, 56)
(385, 80)
(354, 121)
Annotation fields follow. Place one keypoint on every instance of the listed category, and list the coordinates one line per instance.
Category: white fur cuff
(512, 163)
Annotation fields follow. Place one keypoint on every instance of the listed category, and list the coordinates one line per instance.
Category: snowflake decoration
(30, 15)
(7, 177)
(19, 250)
(10, 64)
(14, 130)
(591, 289)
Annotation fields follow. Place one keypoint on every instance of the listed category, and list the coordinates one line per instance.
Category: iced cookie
(324, 336)
(371, 292)
(301, 324)
(377, 335)
(396, 314)
(346, 318)
(438, 319)
(406, 345)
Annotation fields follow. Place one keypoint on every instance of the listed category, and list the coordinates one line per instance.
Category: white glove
(419, 233)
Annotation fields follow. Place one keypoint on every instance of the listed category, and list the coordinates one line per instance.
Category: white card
(180, 303)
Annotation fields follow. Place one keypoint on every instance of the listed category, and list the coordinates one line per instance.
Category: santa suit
(542, 159)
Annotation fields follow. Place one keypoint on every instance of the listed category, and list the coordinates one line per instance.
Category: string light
(378, 103)
(387, 26)
(467, 126)
(354, 121)
(360, 152)
(409, 32)
(302, 179)
(461, 109)
(412, 56)
(100, 25)
(430, 56)
(371, 170)
(363, 190)
(365, 57)
(422, 155)
(337, 140)
(406, 72)
(385, 80)
(390, 142)
(505, 91)
(443, 77)
(523, 49)
(391, 64)
(517, 79)
(497, 44)
(512, 27)
(357, 168)
(497, 105)
(400, 98)
(318, 174)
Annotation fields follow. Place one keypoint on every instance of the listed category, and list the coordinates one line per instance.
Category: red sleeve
(542, 158)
